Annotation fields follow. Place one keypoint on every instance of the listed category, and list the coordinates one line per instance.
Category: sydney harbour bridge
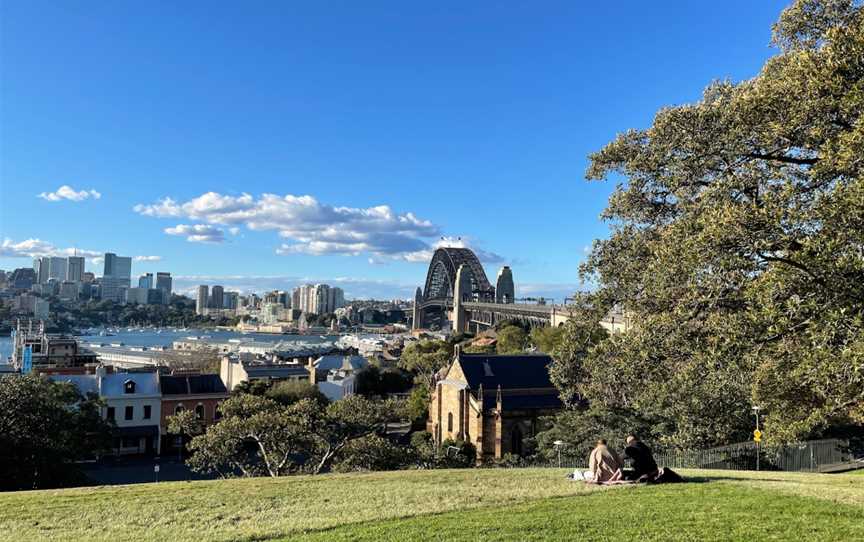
(457, 291)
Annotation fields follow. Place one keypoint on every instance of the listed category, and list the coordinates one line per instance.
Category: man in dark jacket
(641, 459)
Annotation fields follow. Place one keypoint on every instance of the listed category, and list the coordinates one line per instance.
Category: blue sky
(259, 144)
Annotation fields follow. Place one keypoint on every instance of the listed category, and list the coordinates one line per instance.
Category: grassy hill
(529, 504)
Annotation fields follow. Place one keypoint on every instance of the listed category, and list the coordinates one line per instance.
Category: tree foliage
(738, 249)
(546, 338)
(259, 436)
(44, 428)
(424, 359)
(512, 340)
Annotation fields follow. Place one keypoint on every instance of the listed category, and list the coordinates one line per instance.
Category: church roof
(509, 372)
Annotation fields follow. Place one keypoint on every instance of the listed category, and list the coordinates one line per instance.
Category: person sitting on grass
(644, 466)
(604, 464)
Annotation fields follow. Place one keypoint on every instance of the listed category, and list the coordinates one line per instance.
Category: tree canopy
(737, 249)
(45, 427)
(259, 436)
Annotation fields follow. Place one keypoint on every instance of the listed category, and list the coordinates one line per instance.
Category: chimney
(457, 351)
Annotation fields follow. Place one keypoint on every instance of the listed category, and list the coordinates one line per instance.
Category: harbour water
(150, 337)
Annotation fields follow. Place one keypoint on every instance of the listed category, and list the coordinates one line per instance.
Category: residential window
(217, 414)
(130, 412)
(178, 409)
(199, 412)
(450, 422)
(147, 409)
(110, 413)
(129, 386)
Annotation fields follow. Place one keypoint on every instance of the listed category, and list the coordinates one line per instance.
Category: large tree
(45, 427)
(260, 436)
(737, 248)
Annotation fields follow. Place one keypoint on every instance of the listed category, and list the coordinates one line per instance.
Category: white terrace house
(132, 400)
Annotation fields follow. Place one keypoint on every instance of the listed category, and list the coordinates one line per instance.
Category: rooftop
(510, 372)
(192, 384)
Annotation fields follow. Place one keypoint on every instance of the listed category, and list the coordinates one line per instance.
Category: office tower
(216, 297)
(88, 277)
(75, 269)
(232, 300)
(40, 266)
(201, 301)
(146, 281)
(22, 278)
(116, 277)
(117, 266)
(57, 268)
(164, 283)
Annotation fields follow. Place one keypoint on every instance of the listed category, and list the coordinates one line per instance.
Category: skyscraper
(146, 281)
(57, 268)
(201, 301)
(75, 269)
(164, 283)
(116, 277)
(216, 298)
(40, 266)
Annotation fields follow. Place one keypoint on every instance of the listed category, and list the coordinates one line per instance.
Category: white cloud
(147, 258)
(162, 208)
(68, 193)
(425, 255)
(312, 227)
(32, 248)
(197, 233)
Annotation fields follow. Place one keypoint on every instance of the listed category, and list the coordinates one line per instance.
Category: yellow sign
(757, 436)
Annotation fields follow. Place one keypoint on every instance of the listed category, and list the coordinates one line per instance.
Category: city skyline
(304, 181)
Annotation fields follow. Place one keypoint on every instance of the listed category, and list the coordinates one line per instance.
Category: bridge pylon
(417, 320)
(462, 288)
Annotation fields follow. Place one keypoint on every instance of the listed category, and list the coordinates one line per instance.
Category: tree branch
(784, 159)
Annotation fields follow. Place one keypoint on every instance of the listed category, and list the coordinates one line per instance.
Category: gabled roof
(192, 385)
(509, 372)
(114, 384)
(331, 362)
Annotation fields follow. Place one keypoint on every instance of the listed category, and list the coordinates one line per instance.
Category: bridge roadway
(491, 313)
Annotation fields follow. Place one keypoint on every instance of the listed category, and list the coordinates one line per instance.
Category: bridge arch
(441, 276)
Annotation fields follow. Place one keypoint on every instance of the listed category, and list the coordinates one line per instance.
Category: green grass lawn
(477, 504)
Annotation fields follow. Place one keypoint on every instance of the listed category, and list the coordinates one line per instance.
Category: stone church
(495, 402)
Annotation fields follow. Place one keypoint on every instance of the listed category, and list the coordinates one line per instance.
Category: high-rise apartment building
(202, 299)
(217, 300)
(75, 269)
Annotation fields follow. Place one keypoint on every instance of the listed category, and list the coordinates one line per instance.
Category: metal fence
(811, 456)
